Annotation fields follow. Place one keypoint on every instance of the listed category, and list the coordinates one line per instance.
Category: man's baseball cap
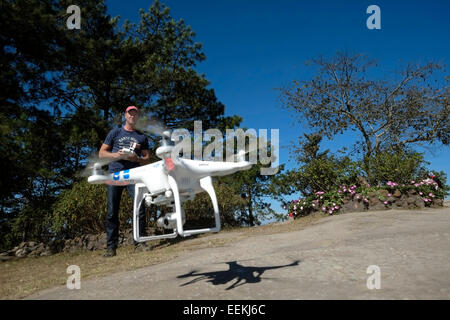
(131, 108)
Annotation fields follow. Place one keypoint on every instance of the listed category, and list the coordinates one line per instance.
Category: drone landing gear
(206, 184)
(139, 194)
(175, 219)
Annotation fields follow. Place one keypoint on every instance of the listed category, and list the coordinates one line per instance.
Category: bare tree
(390, 114)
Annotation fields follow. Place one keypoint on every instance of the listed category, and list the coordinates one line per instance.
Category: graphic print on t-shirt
(125, 142)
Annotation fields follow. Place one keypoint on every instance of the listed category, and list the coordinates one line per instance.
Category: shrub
(326, 174)
(400, 166)
(331, 201)
(200, 213)
(82, 210)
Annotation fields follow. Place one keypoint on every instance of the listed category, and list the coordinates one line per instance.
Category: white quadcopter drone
(170, 182)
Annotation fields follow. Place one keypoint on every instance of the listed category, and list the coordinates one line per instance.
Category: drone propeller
(153, 125)
(94, 162)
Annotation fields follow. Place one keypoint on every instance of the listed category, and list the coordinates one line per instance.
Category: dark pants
(114, 194)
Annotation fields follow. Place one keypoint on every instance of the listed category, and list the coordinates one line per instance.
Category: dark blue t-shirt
(120, 138)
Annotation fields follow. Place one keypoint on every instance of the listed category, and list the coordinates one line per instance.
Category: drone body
(170, 182)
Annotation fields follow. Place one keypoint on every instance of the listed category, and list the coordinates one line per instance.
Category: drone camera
(169, 221)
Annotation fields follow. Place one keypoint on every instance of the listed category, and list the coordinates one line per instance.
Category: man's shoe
(110, 252)
(142, 246)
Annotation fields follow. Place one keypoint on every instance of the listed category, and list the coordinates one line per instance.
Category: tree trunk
(251, 218)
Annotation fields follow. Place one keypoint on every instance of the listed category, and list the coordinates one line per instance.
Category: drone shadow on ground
(240, 274)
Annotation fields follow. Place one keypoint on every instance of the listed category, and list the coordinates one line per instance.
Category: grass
(22, 277)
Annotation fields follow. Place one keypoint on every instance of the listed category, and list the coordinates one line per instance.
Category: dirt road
(328, 260)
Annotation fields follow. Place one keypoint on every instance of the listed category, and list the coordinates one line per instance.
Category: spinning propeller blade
(152, 125)
(94, 160)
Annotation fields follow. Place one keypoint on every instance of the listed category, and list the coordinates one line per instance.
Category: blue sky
(253, 47)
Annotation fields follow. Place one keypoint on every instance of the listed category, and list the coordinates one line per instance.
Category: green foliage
(63, 90)
(387, 115)
(82, 210)
(324, 181)
(319, 170)
(326, 173)
(257, 184)
(400, 166)
(31, 223)
(200, 213)
(254, 189)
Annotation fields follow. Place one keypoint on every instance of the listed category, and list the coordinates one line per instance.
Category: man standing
(126, 137)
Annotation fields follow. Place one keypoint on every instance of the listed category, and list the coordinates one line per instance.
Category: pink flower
(385, 202)
(389, 195)
(301, 208)
(420, 192)
(336, 207)
(330, 211)
(324, 209)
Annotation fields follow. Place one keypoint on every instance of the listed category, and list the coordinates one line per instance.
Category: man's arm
(105, 152)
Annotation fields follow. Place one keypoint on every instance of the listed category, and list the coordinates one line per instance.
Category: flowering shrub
(428, 189)
(331, 201)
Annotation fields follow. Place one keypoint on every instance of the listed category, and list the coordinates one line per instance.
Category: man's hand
(129, 157)
(133, 157)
